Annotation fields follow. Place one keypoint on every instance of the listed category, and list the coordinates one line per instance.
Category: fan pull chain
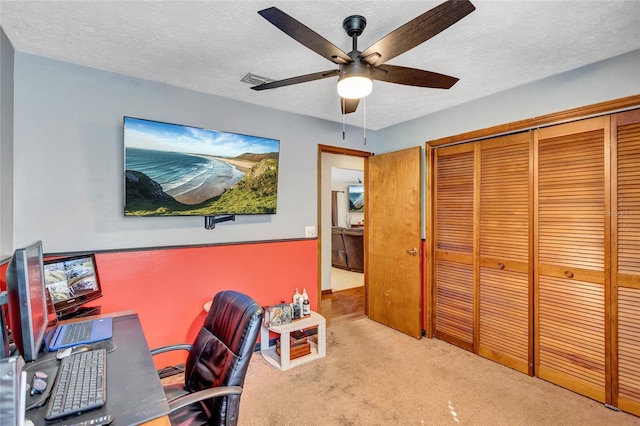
(343, 117)
(364, 128)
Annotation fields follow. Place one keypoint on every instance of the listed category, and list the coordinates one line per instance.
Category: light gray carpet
(373, 375)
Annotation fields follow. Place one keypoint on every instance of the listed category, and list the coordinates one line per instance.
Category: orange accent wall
(168, 287)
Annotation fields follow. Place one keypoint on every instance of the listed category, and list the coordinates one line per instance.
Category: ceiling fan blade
(412, 77)
(349, 105)
(296, 80)
(417, 31)
(304, 35)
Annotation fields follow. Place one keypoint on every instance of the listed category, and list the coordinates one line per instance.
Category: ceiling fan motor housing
(355, 68)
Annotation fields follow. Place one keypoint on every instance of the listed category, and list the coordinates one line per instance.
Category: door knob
(412, 252)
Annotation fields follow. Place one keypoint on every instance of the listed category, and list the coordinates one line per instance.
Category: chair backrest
(222, 350)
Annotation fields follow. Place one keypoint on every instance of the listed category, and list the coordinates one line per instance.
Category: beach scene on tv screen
(172, 169)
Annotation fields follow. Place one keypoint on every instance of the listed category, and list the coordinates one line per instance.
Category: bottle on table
(306, 306)
(297, 304)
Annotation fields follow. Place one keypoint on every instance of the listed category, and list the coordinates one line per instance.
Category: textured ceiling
(208, 46)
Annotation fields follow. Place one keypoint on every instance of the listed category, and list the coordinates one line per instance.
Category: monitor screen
(27, 301)
(72, 282)
(178, 170)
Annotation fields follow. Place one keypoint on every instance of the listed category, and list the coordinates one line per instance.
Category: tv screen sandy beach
(178, 170)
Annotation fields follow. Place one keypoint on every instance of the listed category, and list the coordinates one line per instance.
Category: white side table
(283, 362)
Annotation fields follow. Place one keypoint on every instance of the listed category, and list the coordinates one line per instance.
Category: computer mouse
(63, 353)
(80, 348)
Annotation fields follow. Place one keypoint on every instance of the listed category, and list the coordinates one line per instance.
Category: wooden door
(505, 288)
(625, 219)
(454, 244)
(572, 246)
(393, 239)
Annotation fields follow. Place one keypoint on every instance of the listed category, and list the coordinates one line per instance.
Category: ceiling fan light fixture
(354, 81)
(354, 87)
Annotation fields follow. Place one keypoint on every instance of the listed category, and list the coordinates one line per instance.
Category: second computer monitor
(72, 282)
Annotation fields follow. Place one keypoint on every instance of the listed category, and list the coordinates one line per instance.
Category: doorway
(341, 285)
(393, 288)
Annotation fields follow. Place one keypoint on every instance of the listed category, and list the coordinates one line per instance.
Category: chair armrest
(190, 398)
(169, 348)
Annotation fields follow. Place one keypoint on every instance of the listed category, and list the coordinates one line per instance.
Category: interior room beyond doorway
(342, 289)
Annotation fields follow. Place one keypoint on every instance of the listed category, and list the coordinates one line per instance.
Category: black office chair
(217, 363)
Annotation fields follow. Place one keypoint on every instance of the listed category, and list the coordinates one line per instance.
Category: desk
(134, 391)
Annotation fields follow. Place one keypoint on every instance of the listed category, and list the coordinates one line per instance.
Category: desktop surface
(134, 390)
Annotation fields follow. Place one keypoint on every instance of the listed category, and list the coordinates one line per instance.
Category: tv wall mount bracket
(210, 221)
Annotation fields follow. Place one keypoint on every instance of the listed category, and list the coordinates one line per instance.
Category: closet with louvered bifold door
(454, 244)
(625, 218)
(505, 287)
(571, 244)
(536, 253)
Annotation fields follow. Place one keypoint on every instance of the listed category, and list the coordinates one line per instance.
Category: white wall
(611, 79)
(6, 145)
(69, 159)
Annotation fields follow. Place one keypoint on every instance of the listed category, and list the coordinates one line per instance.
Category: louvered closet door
(572, 251)
(505, 287)
(454, 242)
(626, 260)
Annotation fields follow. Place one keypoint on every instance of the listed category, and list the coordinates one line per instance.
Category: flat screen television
(72, 282)
(26, 293)
(177, 170)
(356, 198)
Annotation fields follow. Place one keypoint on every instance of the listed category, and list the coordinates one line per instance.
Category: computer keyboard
(77, 332)
(81, 384)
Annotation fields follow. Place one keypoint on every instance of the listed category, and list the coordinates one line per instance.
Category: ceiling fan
(357, 69)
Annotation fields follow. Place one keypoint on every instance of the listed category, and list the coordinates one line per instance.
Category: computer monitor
(71, 282)
(27, 300)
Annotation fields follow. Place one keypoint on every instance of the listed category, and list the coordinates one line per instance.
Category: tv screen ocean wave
(180, 170)
(187, 178)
